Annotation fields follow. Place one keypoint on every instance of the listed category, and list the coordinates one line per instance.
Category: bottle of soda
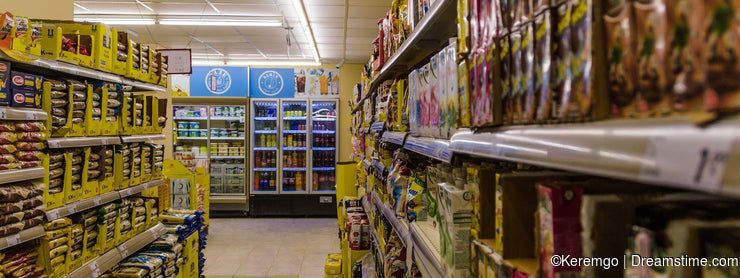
(257, 159)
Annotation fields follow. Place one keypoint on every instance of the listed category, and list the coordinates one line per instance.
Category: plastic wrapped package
(7, 158)
(30, 126)
(28, 146)
(31, 136)
(76, 85)
(58, 94)
(8, 137)
(6, 126)
(29, 164)
(56, 84)
(59, 112)
(59, 103)
(58, 224)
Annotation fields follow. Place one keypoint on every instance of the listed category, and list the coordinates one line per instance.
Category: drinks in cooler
(265, 151)
(294, 147)
(324, 145)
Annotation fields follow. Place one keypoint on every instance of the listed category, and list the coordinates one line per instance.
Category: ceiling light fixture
(144, 5)
(206, 22)
(213, 6)
(81, 7)
(298, 5)
(221, 62)
(119, 21)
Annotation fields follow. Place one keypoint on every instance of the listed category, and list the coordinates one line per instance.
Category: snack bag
(542, 62)
(650, 21)
(517, 90)
(463, 92)
(562, 57)
(528, 94)
(686, 53)
(720, 24)
(577, 104)
(620, 55)
(506, 78)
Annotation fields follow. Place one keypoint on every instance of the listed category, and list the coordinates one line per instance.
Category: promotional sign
(179, 61)
(271, 83)
(219, 82)
(316, 82)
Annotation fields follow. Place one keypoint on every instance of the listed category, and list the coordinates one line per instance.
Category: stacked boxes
(455, 214)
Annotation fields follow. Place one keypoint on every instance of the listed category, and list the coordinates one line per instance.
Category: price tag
(95, 269)
(3, 113)
(53, 215)
(97, 201)
(127, 192)
(72, 209)
(155, 236)
(13, 240)
(105, 141)
(123, 250)
(696, 161)
(53, 144)
(32, 116)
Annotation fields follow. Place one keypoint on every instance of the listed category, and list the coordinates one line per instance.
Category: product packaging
(463, 83)
(720, 24)
(542, 64)
(455, 211)
(576, 105)
(437, 125)
(517, 74)
(493, 77)
(526, 104)
(5, 83)
(414, 103)
(686, 53)
(559, 226)
(463, 26)
(562, 56)
(25, 89)
(622, 77)
(452, 105)
(481, 99)
(506, 79)
(652, 73)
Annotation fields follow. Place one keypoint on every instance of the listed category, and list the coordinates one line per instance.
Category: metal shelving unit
(22, 114)
(75, 142)
(21, 237)
(11, 176)
(435, 148)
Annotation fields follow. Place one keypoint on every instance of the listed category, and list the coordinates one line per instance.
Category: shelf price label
(13, 240)
(696, 161)
(94, 269)
(32, 116)
(3, 113)
(122, 249)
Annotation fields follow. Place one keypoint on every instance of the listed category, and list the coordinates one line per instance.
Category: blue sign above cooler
(271, 83)
(219, 82)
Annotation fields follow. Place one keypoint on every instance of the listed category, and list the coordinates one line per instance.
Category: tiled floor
(248, 247)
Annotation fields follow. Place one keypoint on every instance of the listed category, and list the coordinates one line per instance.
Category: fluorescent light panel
(145, 6)
(217, 62)
(213, 6)
(206, 22)
(81, 7)
(298, 5)
(119, 21)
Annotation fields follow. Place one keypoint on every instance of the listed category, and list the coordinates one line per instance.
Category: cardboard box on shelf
(24, 89)
(5, 86)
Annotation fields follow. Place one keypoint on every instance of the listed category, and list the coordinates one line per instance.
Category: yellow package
(333, 264)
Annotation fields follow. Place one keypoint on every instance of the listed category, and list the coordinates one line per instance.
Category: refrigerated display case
(293, 155)
(215, 132)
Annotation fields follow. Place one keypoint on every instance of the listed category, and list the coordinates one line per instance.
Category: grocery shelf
(665, 151)
(377, 126)
(295, 148)
(139, 188)
(295, 118)
(82, 205)
(85, 204)
(323, 148)
(21, 237)
(287, 131)
(323, 132)
(425, 238)
(429, 36)
(227, 157)
(265, 169)
(201, 157)
(22, 114)
(434, 148)
(367, 165)
(228, 138)
(264, 148)
(227, 119)
(325, 119)
(50, 66)
(323, 168)
(394, 137)
(228, 199)
(74, 142)
(10, 176)
(525, 265)
(149, 138)
(401, 228)
(373, 232)
(265, 131)
(190, 118)
(111, 258)
(303, 169)
(265, 118)
(192, 138)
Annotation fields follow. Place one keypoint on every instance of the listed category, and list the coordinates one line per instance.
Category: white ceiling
(343, 29)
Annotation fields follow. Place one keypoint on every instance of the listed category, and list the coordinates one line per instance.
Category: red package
(29, 155)
(8, 166)
(6, 126)
(7, 158)
(8, 137)
(6, 149)
(29, 146)
(31, 136)
(29, 164)
(30, 126)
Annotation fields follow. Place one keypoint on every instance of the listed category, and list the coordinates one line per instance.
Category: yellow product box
(90, 187)
(333, 265)
(96, 43)
(26, 36)
(125, 126)
(54, 256)
(121, 237)
(109, 121)
(91, 252)
(78, 129)
(145, 62)
(190, 246)
(103, 245)
(120, 181)
(123, 55)
(73, 190)
(47, 104)
(94, 114)
(52, 201)
(138, 114)
(51, 44)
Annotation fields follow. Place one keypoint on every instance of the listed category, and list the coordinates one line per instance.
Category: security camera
(341, 63)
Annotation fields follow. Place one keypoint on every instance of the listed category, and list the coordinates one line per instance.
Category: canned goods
(194, 125)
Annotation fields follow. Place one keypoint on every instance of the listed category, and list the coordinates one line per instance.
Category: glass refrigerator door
(294, 170)
(265, 154)
(323, 145)
(227, 148)
(191, 137)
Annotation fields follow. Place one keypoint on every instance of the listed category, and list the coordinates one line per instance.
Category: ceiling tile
(367, 11)
(330, 46)
(362, 23)
(325, 11)
(328, 32)
(330, 40)
(323, 2)
(376, 3)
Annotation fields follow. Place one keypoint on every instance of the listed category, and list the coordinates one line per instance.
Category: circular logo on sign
(18, 80)
(218, 81)
(270, 83)
(19, 98)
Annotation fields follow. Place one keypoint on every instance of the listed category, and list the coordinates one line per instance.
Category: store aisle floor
(248, 247)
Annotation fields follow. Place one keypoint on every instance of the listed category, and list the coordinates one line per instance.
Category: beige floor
(247, 247)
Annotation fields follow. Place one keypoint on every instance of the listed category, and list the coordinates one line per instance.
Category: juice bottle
(272, 181)
(315, 182)
(299, 181)
(295, 159)
(262, 141)
(257, 159)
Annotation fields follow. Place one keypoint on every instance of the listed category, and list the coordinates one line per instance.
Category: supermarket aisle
(270, 247)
